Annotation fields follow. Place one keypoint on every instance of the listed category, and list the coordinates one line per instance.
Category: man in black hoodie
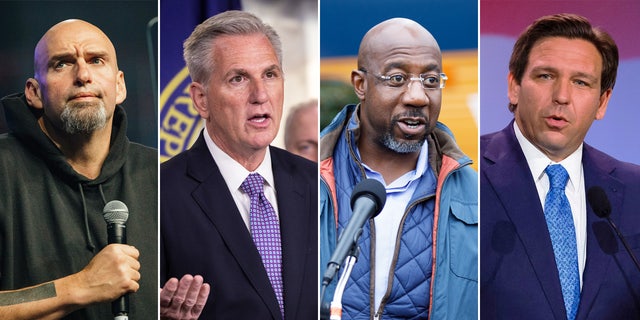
(65, 157)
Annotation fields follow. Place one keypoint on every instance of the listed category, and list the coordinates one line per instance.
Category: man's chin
(403, 145)
(83, 118)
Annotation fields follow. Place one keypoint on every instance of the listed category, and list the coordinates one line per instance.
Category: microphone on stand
(367, 200)
(602, 208)
(115, 214)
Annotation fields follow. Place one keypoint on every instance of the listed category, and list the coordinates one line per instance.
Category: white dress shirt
(575, 189)
(234, 174)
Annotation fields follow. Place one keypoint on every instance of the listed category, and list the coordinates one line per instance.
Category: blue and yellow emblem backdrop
(180, 124)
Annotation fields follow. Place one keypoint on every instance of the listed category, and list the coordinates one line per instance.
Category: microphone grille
(115, 212)
(372, 189)
(599, 201)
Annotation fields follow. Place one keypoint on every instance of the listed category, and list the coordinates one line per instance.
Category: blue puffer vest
(409, 294)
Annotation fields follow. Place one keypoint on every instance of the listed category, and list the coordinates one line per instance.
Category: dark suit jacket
(519, 279)
(202, 233)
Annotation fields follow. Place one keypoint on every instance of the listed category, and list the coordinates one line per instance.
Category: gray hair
(198, 47)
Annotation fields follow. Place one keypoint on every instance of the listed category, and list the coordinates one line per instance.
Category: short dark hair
(569, 26)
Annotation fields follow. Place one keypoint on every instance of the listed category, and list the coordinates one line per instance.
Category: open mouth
(260, 120)
(555, 121)
(412, 124)
(411, 127)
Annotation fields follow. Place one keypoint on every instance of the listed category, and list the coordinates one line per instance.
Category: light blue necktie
(265, 230)
(557, 212)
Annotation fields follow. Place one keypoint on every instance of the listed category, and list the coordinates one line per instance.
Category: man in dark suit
(211, 217)
(561, 75)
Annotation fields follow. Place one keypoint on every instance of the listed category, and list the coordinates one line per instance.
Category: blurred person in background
(301, 130)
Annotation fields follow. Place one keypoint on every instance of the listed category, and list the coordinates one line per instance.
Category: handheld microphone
(602, 208)
(367, 200)
(115, 214)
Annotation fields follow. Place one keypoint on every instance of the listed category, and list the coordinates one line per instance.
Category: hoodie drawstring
(104, 200)
(90, 245)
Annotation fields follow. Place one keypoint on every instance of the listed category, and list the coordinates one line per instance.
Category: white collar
(538, 161)
(232, 171)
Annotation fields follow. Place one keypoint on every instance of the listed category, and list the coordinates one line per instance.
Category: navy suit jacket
(519, 279)
(203, 233)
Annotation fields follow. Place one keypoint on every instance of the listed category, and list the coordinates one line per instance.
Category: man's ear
(121, 88)
(33, 94)
(359, 83)
(604, 102)
(513, 89)
(199, 98)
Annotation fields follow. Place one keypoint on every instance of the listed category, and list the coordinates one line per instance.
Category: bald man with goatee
(65, 157)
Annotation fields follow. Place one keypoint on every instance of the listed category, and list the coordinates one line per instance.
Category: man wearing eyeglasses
(418, 257)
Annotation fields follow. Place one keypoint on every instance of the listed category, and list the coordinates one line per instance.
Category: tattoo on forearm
(41, 292)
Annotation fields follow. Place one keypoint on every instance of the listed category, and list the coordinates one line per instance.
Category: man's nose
(82, 73)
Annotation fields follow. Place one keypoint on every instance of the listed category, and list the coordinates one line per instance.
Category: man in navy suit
(207, 217)
(561, 76)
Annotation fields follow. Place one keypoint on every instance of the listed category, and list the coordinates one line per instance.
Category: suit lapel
(293, 206)
(511, 179)
(213, 197)
(602, 243)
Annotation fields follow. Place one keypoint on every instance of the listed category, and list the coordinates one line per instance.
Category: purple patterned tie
(265, 230)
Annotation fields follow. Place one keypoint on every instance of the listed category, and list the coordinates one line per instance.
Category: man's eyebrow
(590, 77)
(273, 67)
(236, 71)
(394, 65)
(245, 72)
(65, 56)
(579, 74)
(544, 69)
(97, 53)
(402, 65)
(59, 57)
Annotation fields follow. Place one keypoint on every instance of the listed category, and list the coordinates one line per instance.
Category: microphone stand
(624, 242)
(336, 303)
(334, 309)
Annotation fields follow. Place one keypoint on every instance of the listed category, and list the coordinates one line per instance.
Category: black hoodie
(51, 222)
